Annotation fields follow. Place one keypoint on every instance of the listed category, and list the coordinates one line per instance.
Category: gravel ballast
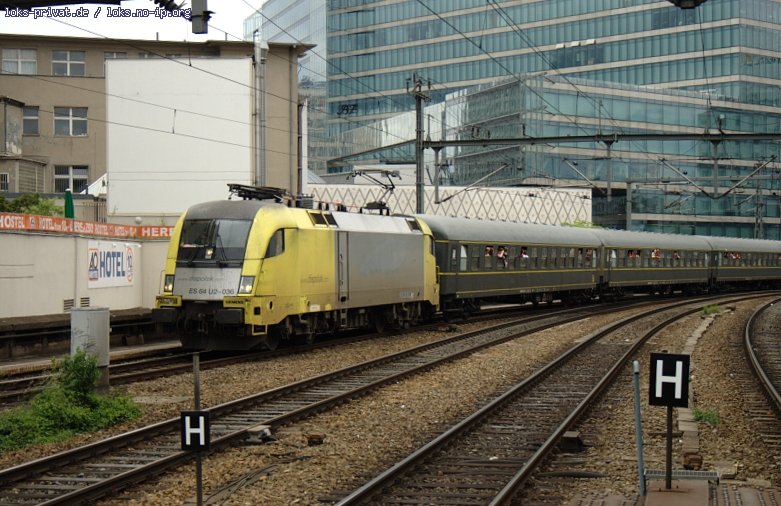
(366, 436)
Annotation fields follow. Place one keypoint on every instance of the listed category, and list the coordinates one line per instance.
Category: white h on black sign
(195, 430)
(669, 381)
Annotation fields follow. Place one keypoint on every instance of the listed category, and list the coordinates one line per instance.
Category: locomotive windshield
(213, 241)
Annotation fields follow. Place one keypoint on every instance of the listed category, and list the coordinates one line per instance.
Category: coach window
(276, 245)
(453, 257)
(488, 258)
(512, 257)
(501, 257)
(524, 257)
(475, 252)
(543, 261)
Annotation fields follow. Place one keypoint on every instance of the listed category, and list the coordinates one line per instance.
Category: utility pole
(417, 91)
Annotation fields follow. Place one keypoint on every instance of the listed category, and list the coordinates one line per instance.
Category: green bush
(68, 405)
(77, 375)
(711, 309)
(708, 416)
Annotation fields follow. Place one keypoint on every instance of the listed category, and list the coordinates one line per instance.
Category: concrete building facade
(61, 83)
(56, 90)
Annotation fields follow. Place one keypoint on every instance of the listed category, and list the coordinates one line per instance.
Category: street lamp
(686, 4)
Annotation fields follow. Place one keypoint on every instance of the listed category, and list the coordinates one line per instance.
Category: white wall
(38, 273)
(177, 134)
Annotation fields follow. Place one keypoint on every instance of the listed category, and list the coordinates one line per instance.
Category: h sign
(195, 430)
(669, 381)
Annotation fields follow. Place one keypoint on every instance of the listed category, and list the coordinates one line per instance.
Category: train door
(713, 260)
(342, 264)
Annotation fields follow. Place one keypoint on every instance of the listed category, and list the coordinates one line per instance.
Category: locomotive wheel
(271, 341)
(378, 322)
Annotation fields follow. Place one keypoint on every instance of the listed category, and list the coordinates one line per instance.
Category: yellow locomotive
(249, 273)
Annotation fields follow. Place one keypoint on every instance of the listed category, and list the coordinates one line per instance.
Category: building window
(75, 177)
(4, 182)
(70, 121)
(68, 63)
(114, 55)
(20, 61)
(30, 120)
(148, 56)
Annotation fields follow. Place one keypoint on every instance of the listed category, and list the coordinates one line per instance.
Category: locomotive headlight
(168, 284)
(245, 284)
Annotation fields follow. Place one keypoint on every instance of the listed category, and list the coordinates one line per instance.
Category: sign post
(196, 430)
(669, 386)
(638, 427)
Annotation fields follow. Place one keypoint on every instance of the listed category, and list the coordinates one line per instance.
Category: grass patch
(709, 416)
(711, 309)
(68, 405)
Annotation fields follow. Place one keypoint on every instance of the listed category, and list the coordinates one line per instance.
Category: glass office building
(571, 67)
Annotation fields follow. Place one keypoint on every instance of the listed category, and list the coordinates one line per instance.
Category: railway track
(32, 336)
(763, 351)
(20, 387)
(82, 474)
(103, 468)
(487, 458)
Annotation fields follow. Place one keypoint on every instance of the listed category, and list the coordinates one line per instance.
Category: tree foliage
(30, 203)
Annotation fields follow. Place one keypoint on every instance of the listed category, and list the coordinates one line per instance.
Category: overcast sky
(228, 16)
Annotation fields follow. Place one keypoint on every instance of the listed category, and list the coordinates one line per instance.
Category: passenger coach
(748, 263)
(661, 263)
(516, 262)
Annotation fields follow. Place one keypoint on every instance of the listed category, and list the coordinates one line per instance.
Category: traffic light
(687, 4)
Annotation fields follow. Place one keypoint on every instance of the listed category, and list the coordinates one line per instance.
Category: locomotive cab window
(276, 245)
(216, 240)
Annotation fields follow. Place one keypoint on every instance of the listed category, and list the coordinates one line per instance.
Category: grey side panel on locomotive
(379, 260)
